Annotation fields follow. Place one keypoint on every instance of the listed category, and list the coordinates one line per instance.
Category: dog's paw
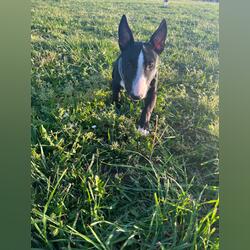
(143, 131)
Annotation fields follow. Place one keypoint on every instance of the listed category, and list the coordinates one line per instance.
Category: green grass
(108, 187)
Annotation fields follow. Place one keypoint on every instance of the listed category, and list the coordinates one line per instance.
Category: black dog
(135, 70)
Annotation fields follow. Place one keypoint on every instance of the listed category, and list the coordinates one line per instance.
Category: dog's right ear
(125, 34)
(159, 37)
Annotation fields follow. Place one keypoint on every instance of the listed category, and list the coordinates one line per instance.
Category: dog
(135, 70)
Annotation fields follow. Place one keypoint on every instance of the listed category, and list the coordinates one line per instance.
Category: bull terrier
(135, 70)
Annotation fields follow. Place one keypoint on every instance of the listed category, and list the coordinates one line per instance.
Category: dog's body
(135, 70)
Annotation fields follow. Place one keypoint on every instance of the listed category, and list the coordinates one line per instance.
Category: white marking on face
(139, 84)
(122, 84)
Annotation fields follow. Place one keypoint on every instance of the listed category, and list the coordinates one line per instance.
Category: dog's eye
(150, 65)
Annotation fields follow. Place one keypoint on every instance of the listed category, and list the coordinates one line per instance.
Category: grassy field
(96, 182)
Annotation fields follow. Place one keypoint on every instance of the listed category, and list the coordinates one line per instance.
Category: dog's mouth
(135, 98)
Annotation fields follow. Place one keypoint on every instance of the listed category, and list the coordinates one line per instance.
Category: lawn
(96, 183)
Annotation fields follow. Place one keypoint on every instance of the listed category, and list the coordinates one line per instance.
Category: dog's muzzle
(135, 98)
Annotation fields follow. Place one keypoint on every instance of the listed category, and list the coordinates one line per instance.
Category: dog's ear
(158, 39)
(125, 33)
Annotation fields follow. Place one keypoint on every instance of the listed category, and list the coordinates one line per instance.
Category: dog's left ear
(125, 34)
(158, 39)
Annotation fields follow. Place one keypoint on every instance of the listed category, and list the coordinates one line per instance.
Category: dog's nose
(135, 98)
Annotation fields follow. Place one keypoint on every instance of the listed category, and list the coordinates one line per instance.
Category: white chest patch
(139, 84)
(122, 84)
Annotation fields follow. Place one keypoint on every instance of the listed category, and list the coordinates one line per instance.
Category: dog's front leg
(116, 92)
(147, 111)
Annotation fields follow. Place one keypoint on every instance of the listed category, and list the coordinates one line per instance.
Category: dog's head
(139, 59)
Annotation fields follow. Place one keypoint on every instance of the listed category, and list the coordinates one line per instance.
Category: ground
(96, 182)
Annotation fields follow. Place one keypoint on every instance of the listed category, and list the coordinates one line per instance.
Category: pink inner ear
(158, 44)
